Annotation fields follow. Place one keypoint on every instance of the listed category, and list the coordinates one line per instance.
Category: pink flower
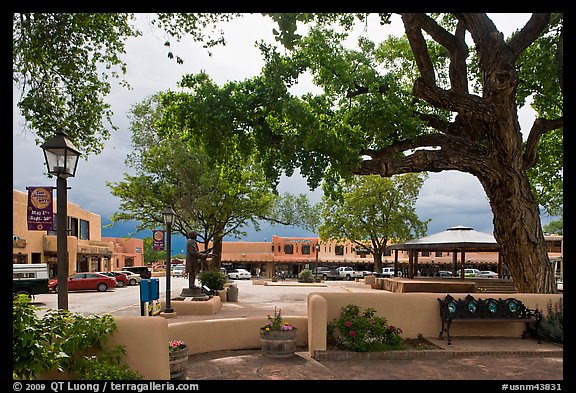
(392, 328)
(348, 323)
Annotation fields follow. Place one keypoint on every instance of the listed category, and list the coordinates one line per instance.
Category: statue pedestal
(194, 292)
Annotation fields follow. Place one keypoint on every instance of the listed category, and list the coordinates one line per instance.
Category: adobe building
(87, 250)
(290, 255)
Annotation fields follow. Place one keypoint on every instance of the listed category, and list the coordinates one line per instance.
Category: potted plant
(278, 338)
(178, 352)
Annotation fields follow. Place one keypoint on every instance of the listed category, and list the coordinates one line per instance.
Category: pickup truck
(342, 273)
(30, 278)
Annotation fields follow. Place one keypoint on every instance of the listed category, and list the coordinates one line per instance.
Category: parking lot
(252, 299)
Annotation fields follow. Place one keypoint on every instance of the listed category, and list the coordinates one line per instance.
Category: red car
(85, 281)
(121, 278)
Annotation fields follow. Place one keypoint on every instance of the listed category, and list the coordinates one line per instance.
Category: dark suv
(143, 271)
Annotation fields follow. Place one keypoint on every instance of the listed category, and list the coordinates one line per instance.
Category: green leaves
(57, 62)
(60, 341)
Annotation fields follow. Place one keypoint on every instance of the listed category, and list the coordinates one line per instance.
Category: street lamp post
(61, 159)
(316, 268)
(169, 216)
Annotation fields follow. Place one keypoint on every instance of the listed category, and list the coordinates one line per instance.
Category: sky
(448, 198)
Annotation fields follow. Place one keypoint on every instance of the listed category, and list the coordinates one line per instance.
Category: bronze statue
(193, 260)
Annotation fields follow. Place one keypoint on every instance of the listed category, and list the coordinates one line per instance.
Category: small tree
(372, 210)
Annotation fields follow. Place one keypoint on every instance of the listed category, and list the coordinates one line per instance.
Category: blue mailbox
(149, 290)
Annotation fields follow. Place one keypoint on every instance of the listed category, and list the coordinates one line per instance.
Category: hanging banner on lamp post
(40, 211)
(158, 240)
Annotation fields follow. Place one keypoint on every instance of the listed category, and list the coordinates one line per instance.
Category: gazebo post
(395, 263)
(415, 270)
(411, 264)
(499, 265)
(454, 262)
(462, 259)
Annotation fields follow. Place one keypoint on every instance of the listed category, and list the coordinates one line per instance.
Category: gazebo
(455, 239)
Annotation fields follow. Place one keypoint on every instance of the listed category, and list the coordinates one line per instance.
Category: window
(387, 252)
(288, 249)
(438, 254)
(425, 253)
(85, 230)
(72, 226)
(306, 250)
(339, 250)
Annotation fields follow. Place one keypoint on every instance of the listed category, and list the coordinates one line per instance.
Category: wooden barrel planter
(278, 344)
(179, 363)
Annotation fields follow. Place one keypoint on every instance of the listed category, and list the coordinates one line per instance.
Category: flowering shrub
(275, 322)
(364, 332)
(176, 345)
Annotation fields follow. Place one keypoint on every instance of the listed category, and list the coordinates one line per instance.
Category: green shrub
(364, 332)
(213, 279)
(552, 326)
(64, 341)
(305, 276)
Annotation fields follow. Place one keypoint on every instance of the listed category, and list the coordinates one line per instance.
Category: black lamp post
(317, 247)
(61, 159)
(169, 216)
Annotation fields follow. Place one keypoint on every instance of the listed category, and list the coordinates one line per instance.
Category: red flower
(352, 333)
(348, 323)
(392, 328)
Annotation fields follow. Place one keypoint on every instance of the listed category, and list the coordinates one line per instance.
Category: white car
(239, 274)
(133, 278)
(471, 273)
(488, 274)
(178, 271)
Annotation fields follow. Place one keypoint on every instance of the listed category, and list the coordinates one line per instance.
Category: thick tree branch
(539, 128)
(456, 47)
(419, 48)
(529, 33)
(462, 103)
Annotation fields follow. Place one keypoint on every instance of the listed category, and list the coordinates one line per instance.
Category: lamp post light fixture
(317, 247)
(169, 216)
(61, 159)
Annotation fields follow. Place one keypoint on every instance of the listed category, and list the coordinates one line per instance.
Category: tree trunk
(377, 261)
(517, 229)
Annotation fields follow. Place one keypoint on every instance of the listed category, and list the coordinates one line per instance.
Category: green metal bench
(471, 309)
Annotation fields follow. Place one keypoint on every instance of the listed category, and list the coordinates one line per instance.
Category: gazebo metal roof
(457, 238)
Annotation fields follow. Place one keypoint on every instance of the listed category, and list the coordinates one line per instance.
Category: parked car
(239, 274)
(488, 274)
(143, 271)
(445, 273)
(179, 271)
(30, 278)
(85, 281)
(121, 279)
(133, 278)
(389, 272)
(471, 273)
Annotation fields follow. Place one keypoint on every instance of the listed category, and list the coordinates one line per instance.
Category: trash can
(232, 293)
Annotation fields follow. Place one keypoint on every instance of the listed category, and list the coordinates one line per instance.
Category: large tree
(373, 210)
(372, 119)
(217, 199)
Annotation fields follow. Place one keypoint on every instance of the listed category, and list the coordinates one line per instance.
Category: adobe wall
(146, 338)
(414, 313)
(230, 333)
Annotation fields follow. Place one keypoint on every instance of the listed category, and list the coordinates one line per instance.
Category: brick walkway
(467, 359)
